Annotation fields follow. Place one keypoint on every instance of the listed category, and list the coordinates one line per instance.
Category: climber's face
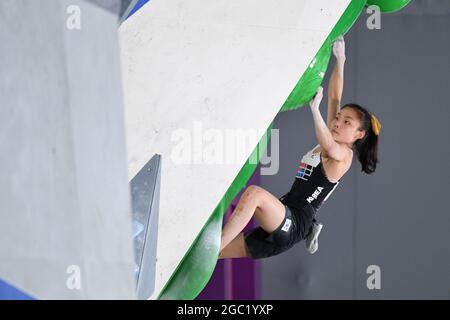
(345, 126)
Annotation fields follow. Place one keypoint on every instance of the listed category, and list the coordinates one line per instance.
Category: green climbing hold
(389, 5)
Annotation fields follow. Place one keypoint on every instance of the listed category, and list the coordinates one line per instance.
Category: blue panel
(138, 6)
(9, 292)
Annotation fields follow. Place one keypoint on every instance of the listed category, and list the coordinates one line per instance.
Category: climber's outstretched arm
(336, 85)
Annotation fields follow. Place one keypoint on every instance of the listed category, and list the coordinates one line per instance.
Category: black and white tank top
(310, 183)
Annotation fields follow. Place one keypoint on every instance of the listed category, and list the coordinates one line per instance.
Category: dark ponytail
(367, 147)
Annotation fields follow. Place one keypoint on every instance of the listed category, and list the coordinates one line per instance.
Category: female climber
(283, 222)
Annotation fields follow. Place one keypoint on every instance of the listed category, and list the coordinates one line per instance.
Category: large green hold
(389, 5)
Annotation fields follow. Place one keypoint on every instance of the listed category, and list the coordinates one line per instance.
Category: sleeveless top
(311, 184)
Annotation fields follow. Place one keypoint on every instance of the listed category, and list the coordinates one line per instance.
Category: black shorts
(295, 227)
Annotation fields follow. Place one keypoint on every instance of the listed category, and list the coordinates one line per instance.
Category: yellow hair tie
(376, 125)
